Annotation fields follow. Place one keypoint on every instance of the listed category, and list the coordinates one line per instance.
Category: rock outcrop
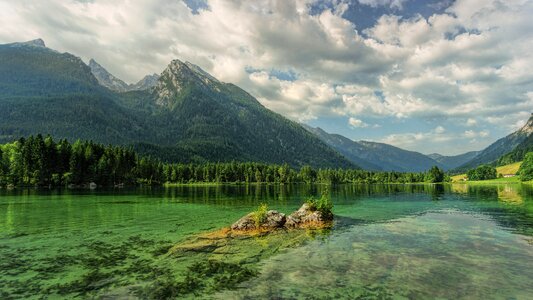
(245, 223)
(304, 217)
(273, 219)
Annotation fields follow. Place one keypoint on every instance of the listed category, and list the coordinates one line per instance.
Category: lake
(388, 242)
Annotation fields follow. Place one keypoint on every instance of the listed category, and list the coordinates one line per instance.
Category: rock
(274, 219)
(245, 223)
(304, 216)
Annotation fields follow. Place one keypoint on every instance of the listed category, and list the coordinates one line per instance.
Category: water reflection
(412, 240)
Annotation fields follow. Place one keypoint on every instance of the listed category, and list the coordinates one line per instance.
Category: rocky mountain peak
(179, 75)
(146, 82)
(33, 43)
(107, 79)
(93, 63)
(36, 43)
(207, 78)
(528, 127)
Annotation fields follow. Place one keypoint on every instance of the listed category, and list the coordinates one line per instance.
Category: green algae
(388, 242)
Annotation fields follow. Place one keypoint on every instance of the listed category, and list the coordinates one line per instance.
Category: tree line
(483, 172)
(42, 161)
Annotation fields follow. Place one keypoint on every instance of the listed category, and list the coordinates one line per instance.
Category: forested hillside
(377, 156)
(508, 149)
(45, 162)
(189, 116)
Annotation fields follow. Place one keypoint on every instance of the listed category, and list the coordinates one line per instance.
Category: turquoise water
(388, 242)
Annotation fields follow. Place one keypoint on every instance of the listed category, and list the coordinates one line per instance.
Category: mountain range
(383, 157)
(506, 150)
(115, 84)
(187, 115)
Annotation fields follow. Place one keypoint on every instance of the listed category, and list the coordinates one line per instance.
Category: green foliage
(45, 91)
(39, 161)
(259, 215)
(307, 174)
(434, 175)
(518, 153)
(483, 172)
(323, 205)
(526, 168)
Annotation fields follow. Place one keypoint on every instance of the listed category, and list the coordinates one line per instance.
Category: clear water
(388, 242)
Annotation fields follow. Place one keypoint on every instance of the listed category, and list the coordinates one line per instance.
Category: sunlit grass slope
(510, 169)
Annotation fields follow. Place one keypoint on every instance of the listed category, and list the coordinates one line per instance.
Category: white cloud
(356, 123)
(470, 63)
(471, 122)
(474, 134)
(398, 4)
(439, 140)
(439, 130)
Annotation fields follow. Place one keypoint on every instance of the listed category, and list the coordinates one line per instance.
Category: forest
(43, 162)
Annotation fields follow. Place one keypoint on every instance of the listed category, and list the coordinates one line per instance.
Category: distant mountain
(44, 91)
(147, 82)
(31, 70)
(33, 43)
(452, 162)
(187, 116)
(107, 79)
(376, 156)
(518, 153)
(501, 147)
(349, 148)
(115, 84)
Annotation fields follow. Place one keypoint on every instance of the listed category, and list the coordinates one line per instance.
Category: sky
(430, 76)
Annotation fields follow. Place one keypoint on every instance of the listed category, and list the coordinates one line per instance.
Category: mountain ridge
(194, 119)
(376, 156)
(499, 148)
(110, 81)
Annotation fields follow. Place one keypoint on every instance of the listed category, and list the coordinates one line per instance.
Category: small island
(314, 213)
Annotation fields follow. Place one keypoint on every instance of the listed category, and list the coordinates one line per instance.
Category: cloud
(398, 4)
(356, 123)
(471, 122)
(438, 138)
(470, 62)
(439, 130)
(474, 134)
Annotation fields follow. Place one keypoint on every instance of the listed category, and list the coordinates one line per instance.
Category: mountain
(376, 156)
(115, 84)
(44, 91)
(518, 153)
(31, 69)
(147, 82)
(452, 162)
(349, 148)
(501, 147)
(220, 121)
(187, 116)
(107, 79)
